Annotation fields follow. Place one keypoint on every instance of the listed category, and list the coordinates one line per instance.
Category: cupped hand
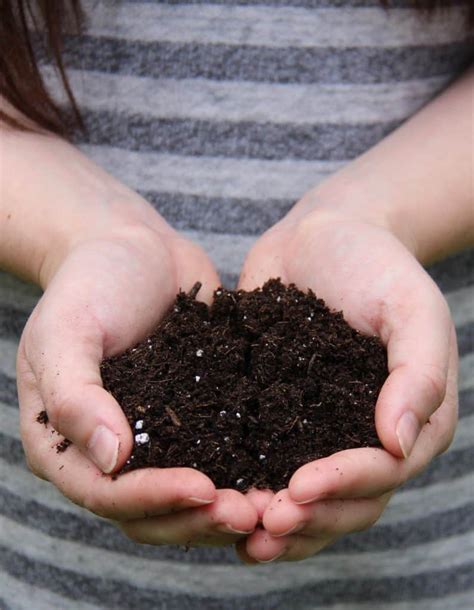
(360, 267)
(107, 294)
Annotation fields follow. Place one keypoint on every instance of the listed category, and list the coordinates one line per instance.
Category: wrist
(53, 198)
(342, 199)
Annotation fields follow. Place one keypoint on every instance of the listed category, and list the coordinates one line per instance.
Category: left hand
(360, 267)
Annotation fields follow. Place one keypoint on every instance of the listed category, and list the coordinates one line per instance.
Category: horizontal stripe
(412, 505)
(444, 467)
(14, 291)
(260, 102)
(465, 336)
(408, 510)
(12, 320)
(466, 372)
(461, 304)
(8, 393)
(461, 601)
(260, 64)
(304, 3)
(330, 142)
(95, 589)
(270, 27)
(229, 280)
(117, 573)
(8, 351)
(214, 214)
(101, 534)
(212, 177)
(226, 251)
(455, 272)
(464, 436)
(25, 484)
(20, 596)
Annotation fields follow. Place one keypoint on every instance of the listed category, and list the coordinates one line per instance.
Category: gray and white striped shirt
(222, 114)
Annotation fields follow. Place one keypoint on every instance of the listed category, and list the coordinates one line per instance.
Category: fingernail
(227, 528)
(277, 556)
(199, 501)
(408, 430)
(103, 448)
(313, 499)
(296, 528)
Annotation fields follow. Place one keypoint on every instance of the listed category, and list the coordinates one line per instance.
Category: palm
(108, 295)
(367, 273)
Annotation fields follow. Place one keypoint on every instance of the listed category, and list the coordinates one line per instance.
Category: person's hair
(24, 22)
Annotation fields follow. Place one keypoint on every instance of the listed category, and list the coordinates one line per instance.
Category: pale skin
(110, 267)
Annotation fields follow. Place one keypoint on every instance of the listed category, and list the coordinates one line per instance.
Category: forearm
(418, 180)
(52, 197)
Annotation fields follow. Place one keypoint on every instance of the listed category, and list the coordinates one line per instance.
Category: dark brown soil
(250, 389)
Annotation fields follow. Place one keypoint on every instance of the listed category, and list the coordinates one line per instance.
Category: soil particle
(248, 389)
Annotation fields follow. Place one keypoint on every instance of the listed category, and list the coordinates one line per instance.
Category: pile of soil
(248, 389)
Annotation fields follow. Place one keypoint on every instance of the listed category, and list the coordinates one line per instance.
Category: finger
(354, 473)
(418, 359)
(321, 519)
(67, 375)
(301, 547)
(369, 472)
(241, 551)
(260, 499)
(150, 491)
(226, 520)
(264, 261)
(261, 547)
(201, 270)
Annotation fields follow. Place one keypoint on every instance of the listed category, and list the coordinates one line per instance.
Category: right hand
(108, 293)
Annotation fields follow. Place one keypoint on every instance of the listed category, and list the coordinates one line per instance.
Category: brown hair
(21, 84)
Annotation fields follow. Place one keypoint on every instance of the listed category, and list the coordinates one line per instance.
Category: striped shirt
(222, 114)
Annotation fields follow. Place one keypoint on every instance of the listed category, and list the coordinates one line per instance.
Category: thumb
(264, 261)
(65, 359)
(418, 358)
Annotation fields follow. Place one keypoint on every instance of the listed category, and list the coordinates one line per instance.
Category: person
(221, 116)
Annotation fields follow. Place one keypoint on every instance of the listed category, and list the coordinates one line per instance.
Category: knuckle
(435, 381)
(443, 435)
(134, 533)
(372, 518)
(34, 467)
(60, 408)
(93, 503)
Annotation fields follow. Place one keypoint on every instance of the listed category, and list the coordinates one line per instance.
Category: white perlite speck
(199, 353)
(261, 456)
(239, 481)
(197, 378)
(238, 415)
(222, 413)
(142, 438)
(139, 424)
